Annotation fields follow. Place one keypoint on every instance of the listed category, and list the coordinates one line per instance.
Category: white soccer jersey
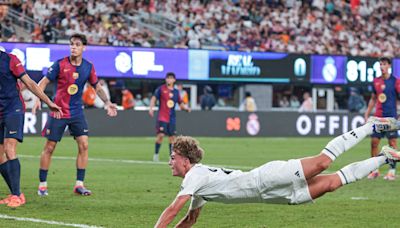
(206, 183)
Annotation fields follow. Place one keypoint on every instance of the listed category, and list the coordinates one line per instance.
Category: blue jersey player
(70, 75)
(12, 109)
(386, 90)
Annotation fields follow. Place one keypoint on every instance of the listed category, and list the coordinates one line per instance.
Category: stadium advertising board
(218, 124)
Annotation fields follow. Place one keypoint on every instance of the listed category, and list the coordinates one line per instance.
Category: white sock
(358, 170)
(346, 141)
(43, 184)
(79, 183)
(392, 172)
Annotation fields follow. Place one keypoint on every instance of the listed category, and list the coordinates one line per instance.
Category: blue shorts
(166, 128)
(388, 134)
(54, 128)
(12, 127)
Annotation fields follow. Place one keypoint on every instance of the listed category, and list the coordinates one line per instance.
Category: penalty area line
(50, 222)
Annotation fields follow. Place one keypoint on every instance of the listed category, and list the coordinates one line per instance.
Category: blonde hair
(189, 148)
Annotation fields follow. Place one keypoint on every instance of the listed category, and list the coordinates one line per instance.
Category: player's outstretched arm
(171, 211)
(110, 107)
(152, 104)
(190, 219)
(38, 91)
(371, 105)
(42, 85)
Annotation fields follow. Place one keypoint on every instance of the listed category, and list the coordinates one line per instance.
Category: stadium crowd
(351, 27)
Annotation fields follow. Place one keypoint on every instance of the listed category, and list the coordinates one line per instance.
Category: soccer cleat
(390, 153)
(5, 200)
(373, 175)
(22, 197)
(15, 201)
(156, 158)
(382, 124)
(389, 177)
(80, 190)
(42, 191)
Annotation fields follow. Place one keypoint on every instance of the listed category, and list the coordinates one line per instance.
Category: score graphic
(362, 69)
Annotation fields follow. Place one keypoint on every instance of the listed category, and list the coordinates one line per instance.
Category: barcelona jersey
(386, 92)
(70, 81)
(167, 100)
(11, 102)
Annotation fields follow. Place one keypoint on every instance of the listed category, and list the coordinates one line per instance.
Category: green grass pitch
(131, 194)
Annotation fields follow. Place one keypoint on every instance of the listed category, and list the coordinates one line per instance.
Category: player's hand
(111, 109)
(36, 106)
(366, 118)
(56, 110)
(151, 112)
(188, 109)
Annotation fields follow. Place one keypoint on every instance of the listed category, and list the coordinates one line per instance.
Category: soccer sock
(15, 175)
(358, 170)
(80, 174)
(170, 149)
(158, 145)
(346, 141)
(4, 170)
(43, 175)
(393, 165)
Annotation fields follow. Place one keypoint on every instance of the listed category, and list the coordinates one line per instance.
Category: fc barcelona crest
(75, 75)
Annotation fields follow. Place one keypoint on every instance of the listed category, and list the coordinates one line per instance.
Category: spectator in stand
(248, 104)
(128, 101)
(356, 102)
(207, 100)
(307, 105)
(284, 102)
(89, 96)
(294, 102)
(138, 101)
(184, 95)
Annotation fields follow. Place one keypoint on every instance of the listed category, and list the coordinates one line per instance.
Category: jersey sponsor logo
(12, 132)
(170, 103)
(382, 98)
(75, 75)
(72, 89)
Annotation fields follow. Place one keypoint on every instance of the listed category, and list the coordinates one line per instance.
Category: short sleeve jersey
(386, 92)
(167, 100)
(206, 183)
(70, 81)
(11, 69)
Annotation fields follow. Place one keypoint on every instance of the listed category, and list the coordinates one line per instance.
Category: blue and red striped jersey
(70, 81)
(167, 100)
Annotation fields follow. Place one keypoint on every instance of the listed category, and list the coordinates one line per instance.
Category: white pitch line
(129, 161)
(50, 222)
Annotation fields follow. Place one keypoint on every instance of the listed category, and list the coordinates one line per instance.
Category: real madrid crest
(170, 103)
(382, 98)
(72, 89)
(75, 75)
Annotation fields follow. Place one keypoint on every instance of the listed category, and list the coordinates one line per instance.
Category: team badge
(75, 75)
(382, 98)
(170, 103)
(72, 89)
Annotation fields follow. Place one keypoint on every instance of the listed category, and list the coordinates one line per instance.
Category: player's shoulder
(87, 62)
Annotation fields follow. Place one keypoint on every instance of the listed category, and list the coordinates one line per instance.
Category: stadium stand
(366, 28)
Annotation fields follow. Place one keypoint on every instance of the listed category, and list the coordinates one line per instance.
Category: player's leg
(172, 133)
(161, 128)
(391, 175)
(321, 184)
(14, 127)
(4, 169)
(79, 129)
(53, 131)
(315, 165)
(375, 140)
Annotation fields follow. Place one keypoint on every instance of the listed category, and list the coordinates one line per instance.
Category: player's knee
(49, 149)
(374, 144)
(83, 147)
